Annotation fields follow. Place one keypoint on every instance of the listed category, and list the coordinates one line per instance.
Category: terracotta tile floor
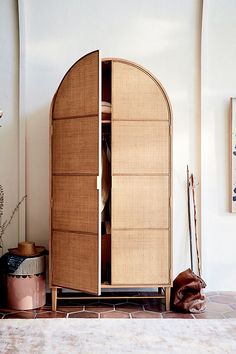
(219, 305)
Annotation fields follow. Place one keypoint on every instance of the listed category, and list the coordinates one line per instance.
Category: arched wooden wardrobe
(141, 178)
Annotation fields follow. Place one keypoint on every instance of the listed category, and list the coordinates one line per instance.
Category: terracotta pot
(26, 292)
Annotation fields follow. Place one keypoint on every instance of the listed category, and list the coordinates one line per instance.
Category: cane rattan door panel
(136, 95)
(75, 203)
(140, 202)
(140, 257)
(140, 147)
(78, 264)
(75, 240)
(74, 150)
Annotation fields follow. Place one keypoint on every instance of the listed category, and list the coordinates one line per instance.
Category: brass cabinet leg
(167, 295)
(54, 299)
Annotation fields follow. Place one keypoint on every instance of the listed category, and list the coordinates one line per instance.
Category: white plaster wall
(9, 172)
(162, 35)
(218, 85)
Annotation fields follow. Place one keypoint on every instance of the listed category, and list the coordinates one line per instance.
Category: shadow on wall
(37, 175)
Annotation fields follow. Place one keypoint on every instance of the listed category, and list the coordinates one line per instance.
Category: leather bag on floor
(187, 293)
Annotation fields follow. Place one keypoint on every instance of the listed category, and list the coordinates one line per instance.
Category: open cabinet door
(75, 161)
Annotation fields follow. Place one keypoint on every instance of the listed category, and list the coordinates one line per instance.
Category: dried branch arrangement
(4, 225)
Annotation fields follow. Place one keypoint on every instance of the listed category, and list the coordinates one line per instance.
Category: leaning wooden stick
(189, 219)
(195, 224)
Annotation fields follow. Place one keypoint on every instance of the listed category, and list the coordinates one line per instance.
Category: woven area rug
(117, 336)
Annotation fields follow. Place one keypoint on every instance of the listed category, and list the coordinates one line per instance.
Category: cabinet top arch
(78, 92)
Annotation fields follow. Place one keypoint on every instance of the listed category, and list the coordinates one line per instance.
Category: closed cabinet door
(75, 232)
(141, 178)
